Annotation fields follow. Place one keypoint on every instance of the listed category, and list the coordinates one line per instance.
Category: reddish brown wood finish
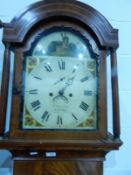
(4, 88)
(115, 95)
(41, 167)
(78, 15)
(102, 91)
(16, 100)
(42, 144)
(67, 9)
(77, 152)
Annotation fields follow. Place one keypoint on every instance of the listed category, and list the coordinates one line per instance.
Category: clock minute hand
(69, 79)
(60, 80)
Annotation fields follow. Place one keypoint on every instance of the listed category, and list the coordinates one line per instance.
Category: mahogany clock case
(19, 36)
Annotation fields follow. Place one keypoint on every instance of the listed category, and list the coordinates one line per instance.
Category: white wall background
(119, 15)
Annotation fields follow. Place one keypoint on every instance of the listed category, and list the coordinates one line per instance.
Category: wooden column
(115, 97)
(4, 88)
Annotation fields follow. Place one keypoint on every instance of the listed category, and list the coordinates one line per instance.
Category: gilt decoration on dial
(60, 89)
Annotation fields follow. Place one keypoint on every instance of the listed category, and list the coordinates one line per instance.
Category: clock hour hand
(61, 92)
(60, 80)
(70, 81)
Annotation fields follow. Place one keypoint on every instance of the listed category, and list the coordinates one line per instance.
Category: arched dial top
(41, 12)
(60, 83)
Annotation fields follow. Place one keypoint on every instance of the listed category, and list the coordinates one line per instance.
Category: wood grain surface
(58, 168)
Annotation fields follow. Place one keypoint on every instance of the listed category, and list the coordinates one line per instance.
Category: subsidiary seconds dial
(60, 93)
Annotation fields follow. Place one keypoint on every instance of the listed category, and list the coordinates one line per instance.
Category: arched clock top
(42, 11)
(58, 111)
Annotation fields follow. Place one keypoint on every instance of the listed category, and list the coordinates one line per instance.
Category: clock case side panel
(16, 102)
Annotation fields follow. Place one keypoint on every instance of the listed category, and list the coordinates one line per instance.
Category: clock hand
(75, 68)
(68, 83)
(69, 79)
(61, 92)
(61, 79)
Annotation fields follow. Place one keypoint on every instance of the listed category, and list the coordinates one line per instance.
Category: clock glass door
(60, 82)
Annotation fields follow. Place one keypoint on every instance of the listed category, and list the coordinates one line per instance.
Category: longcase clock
(58, 118)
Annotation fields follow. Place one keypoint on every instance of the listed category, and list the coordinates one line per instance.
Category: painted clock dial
(60, 89)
